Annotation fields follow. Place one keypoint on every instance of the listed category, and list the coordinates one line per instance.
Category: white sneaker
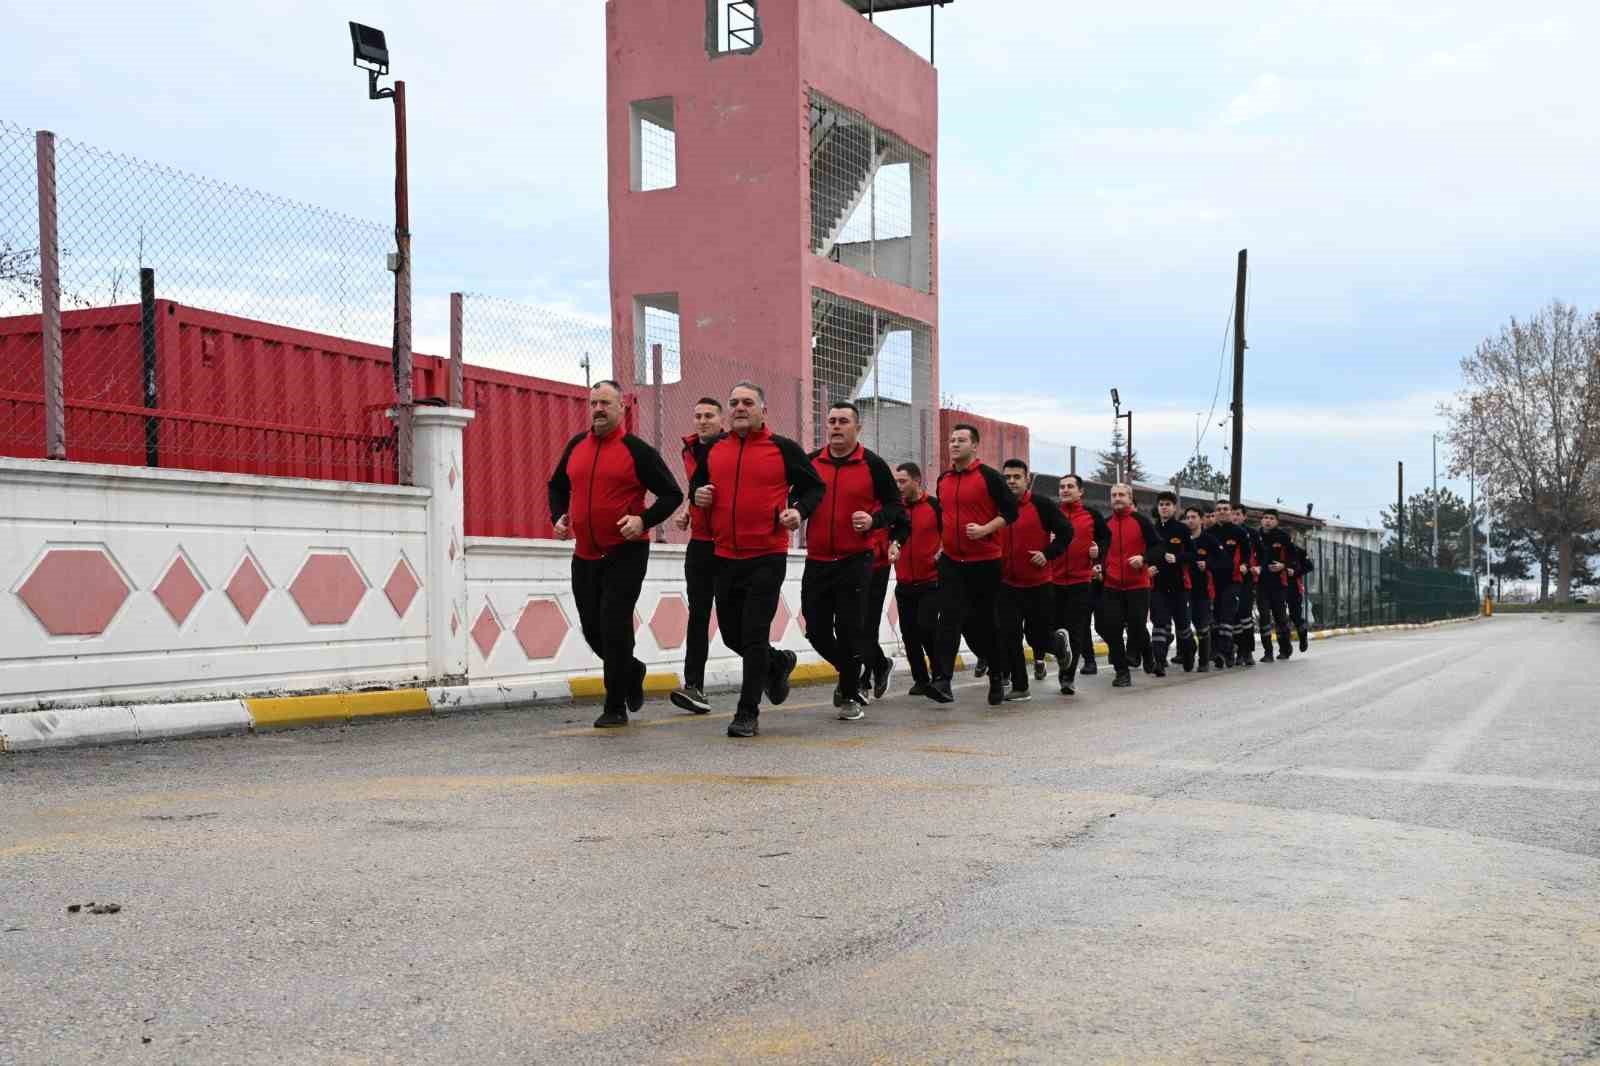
(851, 712)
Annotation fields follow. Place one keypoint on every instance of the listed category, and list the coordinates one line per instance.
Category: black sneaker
(1038, 669)
(1089, 667)
(920, 688)
(1019, 695)
(1247, 659)
(880, 678)
(778, 683)
(1124, 679)
(997, 691)
(612, 719)
(980, 668)
(1067, 689)
(743, 725)
(690, 698)
(636, 689)
(1149, 661)
(939, 691)
(1159, 670)
(1305, 641)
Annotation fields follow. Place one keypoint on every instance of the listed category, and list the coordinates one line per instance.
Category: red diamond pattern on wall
(485, 631)
(669, 622)
(179, 590)
(247, 588)
(780, 621)
(541, 629)
(401, 588)
(74, 592)
(894, 615)
(328, 588)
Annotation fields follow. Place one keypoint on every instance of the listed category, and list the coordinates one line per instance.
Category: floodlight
(370, 49)
(1115, 399)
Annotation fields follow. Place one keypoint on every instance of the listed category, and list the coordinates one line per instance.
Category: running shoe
(612, 719)
(997, 691)
(1019, 695)
(880, 678)
(636, 688)
(1124, 679)
(1090, 668)
(690, 698)
(778, 683)
(920, 688)
(980, 668)
(939, 691)
(851, 712)
(744, 725)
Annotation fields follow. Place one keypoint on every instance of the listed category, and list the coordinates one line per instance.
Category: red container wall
(249, 397)
(998, 441)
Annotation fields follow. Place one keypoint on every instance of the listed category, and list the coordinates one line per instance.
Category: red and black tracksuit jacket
(1074, 567)
(1173, 536)
(1278, 547)
(1132, 534)
(1205, 548)
(599, 480)
(755, 478)
(919, 551)
(860, 481)
(1040, 527)
(976, 494)
(693, 455)
(1236, 552)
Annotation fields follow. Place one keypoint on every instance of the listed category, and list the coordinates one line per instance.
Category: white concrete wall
(508, 575)
(140, 521)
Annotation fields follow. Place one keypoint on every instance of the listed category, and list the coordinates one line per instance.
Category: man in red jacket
(758, 488)
(699, 562)
(1032, 543)
(597, 493)
(1125, 602)
(859, 498)
(976, 506)
(916, 573)
(1073, 577)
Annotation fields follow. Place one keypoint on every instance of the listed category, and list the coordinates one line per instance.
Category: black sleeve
(891, 509)
(938, 512)
(559, 485)
(1055, 523)
(805, 485)
(900, 528)
(653, 474)
(1153, 553)
(1181, 552)
(1004, 502)
(702, 471)
(1102, 531)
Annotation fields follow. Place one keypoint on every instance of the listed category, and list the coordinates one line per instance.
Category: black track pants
(607, 591)
(747, 600)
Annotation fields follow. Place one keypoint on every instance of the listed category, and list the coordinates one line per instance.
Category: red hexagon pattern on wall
(669, 623)
(328, 588)
(179, 590)
(74, 592)
(541, 628)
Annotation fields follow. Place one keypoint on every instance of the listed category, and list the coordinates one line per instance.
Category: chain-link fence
(1351, 586)
(203, 325)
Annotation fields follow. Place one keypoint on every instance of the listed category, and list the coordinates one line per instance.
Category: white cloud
(1266, 96)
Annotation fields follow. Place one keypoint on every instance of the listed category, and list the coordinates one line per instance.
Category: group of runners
(976, 556)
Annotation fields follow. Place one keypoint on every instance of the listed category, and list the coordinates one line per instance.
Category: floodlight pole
(405, 399)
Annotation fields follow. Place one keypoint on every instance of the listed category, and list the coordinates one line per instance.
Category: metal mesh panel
(204, 325)
(870, 198)
(1351, 586)
(658, 156)
(879, 361)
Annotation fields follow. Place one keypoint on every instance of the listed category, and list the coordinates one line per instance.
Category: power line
(1222, 361)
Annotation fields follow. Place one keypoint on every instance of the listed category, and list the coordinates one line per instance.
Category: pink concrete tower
(773, 213)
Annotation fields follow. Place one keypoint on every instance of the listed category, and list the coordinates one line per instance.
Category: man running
(859, 497)
(1169, 598)
(758, 487)
(1246, 634)
(1125, 601)
(1297, 594)
(1032, 543)
(699, 562)
(1073, 578)
(1204, 552)
(976, 505)
(916, 573)
(1229, 578)
(607, 520)
(876, 667)
(1278, 552)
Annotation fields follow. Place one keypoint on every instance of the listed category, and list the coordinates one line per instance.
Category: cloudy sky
(1406, 177)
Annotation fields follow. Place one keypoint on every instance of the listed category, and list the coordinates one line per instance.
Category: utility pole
(1236, 475)
(1472, 513)
(1436, 501)
(1400, 510)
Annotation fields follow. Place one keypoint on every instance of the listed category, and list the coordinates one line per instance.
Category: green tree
(1198, 473)
(1117, 459)
(1453, 522)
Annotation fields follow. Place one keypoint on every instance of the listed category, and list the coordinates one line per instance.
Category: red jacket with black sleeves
(976, 494)
(859, 481)
(1040, 527)
(754, 478)
(1074, 567)
(919, 551)
(1132, 534)
(1277, 547)
(599, 480)
(1236, 553)
(693, 456)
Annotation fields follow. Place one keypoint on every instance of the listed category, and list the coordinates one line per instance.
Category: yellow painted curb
(283, 712)
(814, 672)
(594, 685)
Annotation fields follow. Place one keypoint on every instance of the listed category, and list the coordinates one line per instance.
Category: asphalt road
(1387, 850)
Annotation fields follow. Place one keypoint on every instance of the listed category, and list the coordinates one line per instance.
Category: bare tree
(1527, 419)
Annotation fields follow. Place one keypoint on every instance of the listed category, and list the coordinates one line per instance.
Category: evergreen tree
(1200, 475)
(1117, 458)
